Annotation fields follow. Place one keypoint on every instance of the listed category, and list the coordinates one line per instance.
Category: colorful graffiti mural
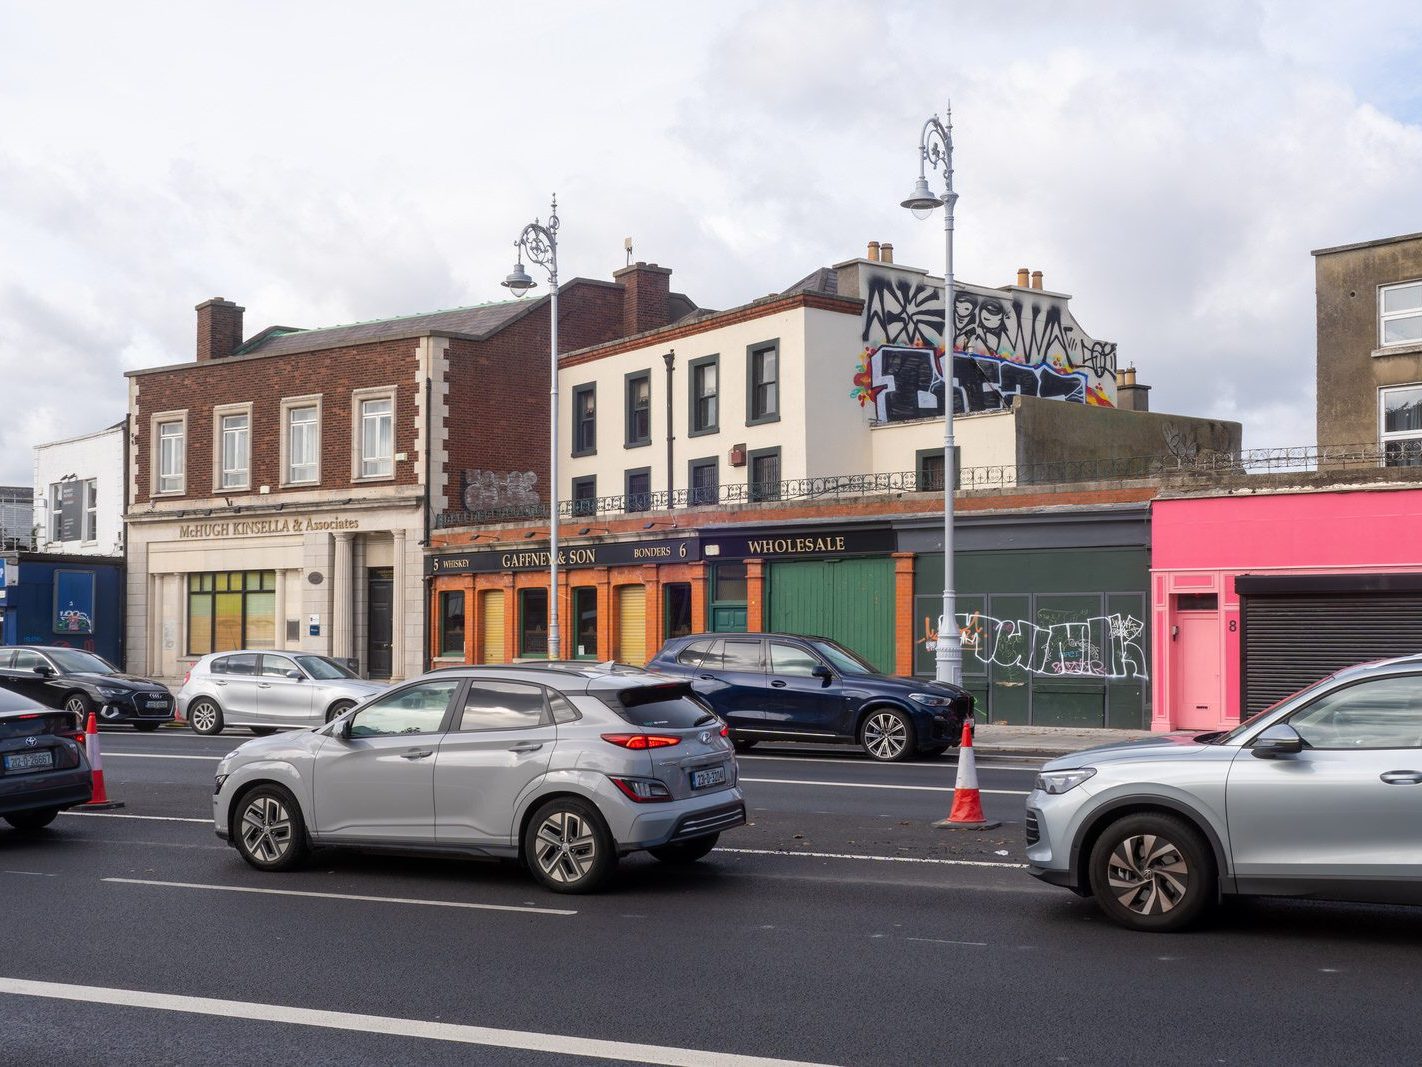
(1005, 344)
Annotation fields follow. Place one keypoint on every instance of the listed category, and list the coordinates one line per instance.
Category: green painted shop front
(848, 600)
(1052, 636)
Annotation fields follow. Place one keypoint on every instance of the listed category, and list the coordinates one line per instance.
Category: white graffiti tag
(1103, 646)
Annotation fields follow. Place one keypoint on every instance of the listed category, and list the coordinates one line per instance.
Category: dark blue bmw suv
(788, 687)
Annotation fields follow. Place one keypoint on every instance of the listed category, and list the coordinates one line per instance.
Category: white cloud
(1170, 165)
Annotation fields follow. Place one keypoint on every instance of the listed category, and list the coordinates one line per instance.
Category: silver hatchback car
(565, 767)
(264, 690)
(1318, 796)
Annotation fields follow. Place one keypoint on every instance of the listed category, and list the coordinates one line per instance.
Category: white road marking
(341, 896)
(37, 874)
(156, 755)
(883, 785)
(876, 859)
(941, 941)
(146, 818)
(949, 767)
(559, 1044)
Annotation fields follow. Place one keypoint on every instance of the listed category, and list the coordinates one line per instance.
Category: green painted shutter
(848, 600)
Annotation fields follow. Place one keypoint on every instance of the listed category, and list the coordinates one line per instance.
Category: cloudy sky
(1169, 164)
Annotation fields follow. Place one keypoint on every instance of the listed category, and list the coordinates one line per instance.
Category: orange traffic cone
(967, 813)
(100, 801)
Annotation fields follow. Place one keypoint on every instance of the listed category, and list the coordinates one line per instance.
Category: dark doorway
(585, 616)
(381, 618)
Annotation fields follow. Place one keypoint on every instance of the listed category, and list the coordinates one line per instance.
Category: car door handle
(778, 684)
(526, 746)
(706, 677)
(264, 685)
(1402, 777)
(221, 683)
(419, 753)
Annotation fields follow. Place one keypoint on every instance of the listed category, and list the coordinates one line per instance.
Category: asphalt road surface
(837, 928)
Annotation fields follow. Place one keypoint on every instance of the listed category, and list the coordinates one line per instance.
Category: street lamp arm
(935, 147)
(540, 242)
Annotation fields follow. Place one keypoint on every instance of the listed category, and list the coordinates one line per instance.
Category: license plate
(709, 776)
(159, 705)
(29, 761)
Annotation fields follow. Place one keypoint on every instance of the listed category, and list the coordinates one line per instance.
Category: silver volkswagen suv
(263, 689)
(1318, 796)
(565, 767)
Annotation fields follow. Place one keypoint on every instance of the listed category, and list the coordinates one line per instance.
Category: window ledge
(1411, 348)
(364, 479)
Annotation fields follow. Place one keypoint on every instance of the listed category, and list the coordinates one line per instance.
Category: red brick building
(281, 487)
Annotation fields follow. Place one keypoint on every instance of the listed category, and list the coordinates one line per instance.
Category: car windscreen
(323, 668)
(843, 659)
(660, 707)
(73, 661)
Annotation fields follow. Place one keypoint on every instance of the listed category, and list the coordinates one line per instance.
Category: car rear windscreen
(660, 707)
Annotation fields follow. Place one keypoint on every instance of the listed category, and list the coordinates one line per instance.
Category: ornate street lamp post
(540, 242)
(935, 149)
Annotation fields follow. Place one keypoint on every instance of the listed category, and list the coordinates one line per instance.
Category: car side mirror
(343, 728)
(1278, 740)
(295, 675)
(823, 673)
(43, 670)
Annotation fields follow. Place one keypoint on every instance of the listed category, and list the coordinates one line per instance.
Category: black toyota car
(789, 687)
(81, 682)
(43, 769)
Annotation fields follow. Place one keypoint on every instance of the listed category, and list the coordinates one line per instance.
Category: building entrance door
(585, 622)
(1198, 699)
(381, 618)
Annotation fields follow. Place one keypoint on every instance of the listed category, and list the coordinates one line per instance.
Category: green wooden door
(849, 600)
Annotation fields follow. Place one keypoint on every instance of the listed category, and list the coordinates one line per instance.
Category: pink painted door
(1198, 699)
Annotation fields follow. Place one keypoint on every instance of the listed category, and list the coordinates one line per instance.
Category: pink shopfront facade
(1255, 596)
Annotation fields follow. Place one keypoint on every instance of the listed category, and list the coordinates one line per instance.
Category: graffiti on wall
(1005, 344)
(487, 490)
(1104, 646)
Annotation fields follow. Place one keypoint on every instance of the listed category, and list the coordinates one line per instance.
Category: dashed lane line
(341, 896)
(157, 755)
(874, 859)
(982, 765)
(492, 1037)
(145, 818)
(882, 785)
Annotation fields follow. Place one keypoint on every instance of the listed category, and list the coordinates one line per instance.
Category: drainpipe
(670, 359)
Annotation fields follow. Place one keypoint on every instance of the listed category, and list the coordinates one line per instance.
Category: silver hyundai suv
(565, 767)
(264, 690)
(1318, 796)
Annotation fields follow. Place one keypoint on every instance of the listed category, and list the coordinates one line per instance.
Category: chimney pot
(886, 252)
(1036, 279)
(873, 253)
(1022, 277)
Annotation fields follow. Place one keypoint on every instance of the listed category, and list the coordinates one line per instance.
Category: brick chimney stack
(219, 328)
(645, 289)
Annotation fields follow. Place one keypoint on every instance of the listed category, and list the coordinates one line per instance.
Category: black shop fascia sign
(798, 543)
(609, 554)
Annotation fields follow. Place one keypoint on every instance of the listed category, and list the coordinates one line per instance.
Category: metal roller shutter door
(632, 624)
(1293, 641)
(491, 626)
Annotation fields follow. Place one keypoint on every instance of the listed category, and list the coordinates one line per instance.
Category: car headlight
(932, 700)
(110, 692)
(1055, 782)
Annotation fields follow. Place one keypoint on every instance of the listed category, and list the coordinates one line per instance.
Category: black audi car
(43, 769)
(81, 682)
(789, 687)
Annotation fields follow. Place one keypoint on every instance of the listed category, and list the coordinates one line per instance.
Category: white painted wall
(798, 400)
(97, 455)
(988, 439)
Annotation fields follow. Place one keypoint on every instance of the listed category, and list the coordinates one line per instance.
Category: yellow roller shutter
(491, 648)
(632, 624)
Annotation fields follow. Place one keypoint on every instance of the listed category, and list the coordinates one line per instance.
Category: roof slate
(477, 321)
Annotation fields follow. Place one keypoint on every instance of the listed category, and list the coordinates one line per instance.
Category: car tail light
(642, 790)
(725, 731)
(188, 674)
(641, 741)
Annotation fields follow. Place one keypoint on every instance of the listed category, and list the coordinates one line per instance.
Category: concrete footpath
(1039, 741)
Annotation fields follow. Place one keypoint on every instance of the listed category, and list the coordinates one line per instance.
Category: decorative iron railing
(1200, 467)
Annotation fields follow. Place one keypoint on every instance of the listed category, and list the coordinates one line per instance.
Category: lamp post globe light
(539, 241)
(935, 149)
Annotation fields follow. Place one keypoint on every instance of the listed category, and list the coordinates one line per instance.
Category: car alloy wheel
(1152, 871)
(567, 846)
(1148, 874)
(269, 830)
(887, 736)
(78, 705)
(205, 717)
